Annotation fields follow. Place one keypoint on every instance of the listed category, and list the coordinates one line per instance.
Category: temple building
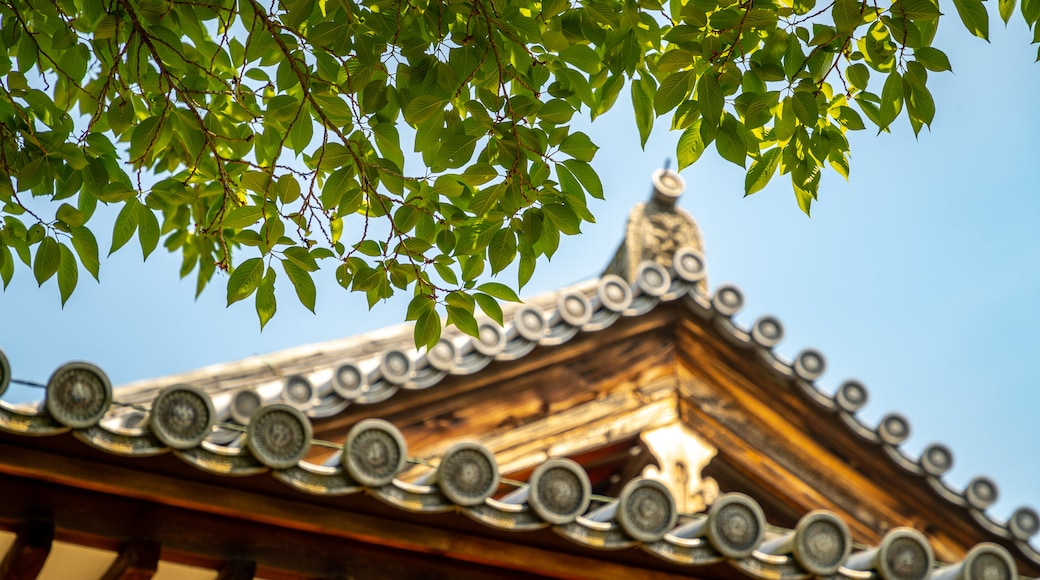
(624, 427)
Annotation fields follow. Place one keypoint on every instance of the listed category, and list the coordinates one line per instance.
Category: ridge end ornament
(657, 229)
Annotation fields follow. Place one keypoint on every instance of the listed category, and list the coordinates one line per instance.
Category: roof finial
(667, 187)
(656, 229)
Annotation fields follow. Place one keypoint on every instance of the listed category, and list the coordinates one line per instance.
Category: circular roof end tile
(822, 543)
(467, 474)
(646, 510)
(182, 416)
(396, 367)
(728, 300)
(348, 381)
(809, 365)
(614, 293)
(981, 493)
(736, 525)
(1024, 523)
(851, 396)
(936, 460)
(652, 279)
(689, 265)
(78, 395)
(298, 392)
(560, 491)
(443, 356)
(574, 309)
(279, 436)
(988, 561)
(767, 331)
(904, 554)
(893, 429)
(530, 323)
(5, 372)
(492, 339)
(374, 453)
(244, 404)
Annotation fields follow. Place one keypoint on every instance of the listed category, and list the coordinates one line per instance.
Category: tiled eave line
(382, 371)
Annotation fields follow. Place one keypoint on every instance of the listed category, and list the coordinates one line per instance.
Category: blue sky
(920, 276)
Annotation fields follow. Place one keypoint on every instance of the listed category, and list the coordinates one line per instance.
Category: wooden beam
(237, 570)
(27, 555)
(138, 560)
(292, 532)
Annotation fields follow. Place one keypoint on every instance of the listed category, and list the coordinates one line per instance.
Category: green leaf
(6, 264)
(125, 226)
(48, 256)
(427, 329)
(933, 59)
(242, 217)
(643, 91)
(147, 229)
(266, 305)
(690, 146)
(302, 282)
(423, 108)
(563, 218)
(490, 307)
(805, 107)
(86, 247)
(587, 176)
(891, 99)
(850, 119)
(583, 57)
(710, 98)
(1006, 8)
(500, 291)
(579, 146)
(68, 273)
(464, 320)
(858, 75)
(501, 250)
(761, 171)
(916, 9)
(673, 90)
(71, 216)
(974, 16)
(486, 198)
(244, 280)
(144, 138)
(847, 15)
(730, 141)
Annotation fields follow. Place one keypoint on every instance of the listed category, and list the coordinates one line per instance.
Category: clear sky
(920, 276)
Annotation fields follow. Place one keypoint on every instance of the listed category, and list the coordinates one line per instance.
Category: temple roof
(255, 416)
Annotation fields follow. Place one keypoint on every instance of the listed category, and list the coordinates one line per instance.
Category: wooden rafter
(26, 557)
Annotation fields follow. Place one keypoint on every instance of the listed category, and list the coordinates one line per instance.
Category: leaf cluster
(267, 140)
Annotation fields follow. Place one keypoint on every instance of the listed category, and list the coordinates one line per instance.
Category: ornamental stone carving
(467, 474)
(821, 543)
(182, 416)
(279, 436)
(735, 526)
(646, 510)
(560, 491)
(374, 453)
(657, 229)
(78, 395)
